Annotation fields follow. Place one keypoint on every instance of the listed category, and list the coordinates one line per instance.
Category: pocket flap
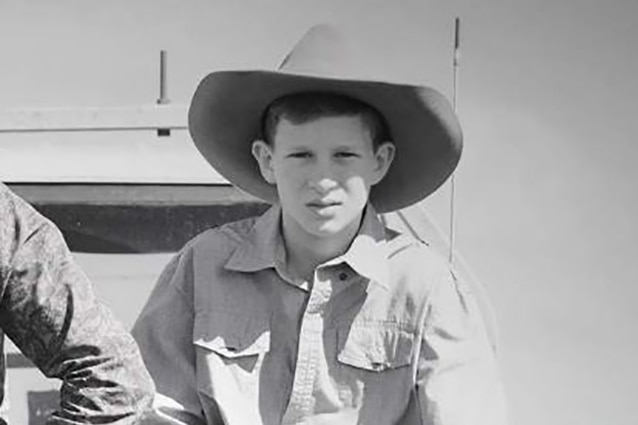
(375, 347)
(232, 335)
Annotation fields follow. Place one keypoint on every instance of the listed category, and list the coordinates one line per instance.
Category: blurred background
(545, 200)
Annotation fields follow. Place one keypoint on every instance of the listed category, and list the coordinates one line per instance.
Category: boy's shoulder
(215, 246)
(414, 263)
(229, 235)
(412, 250)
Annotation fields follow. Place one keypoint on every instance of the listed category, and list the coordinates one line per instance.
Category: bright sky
(546, 204)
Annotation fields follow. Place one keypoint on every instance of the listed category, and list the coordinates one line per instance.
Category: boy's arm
(48, 309)
(458, 380)
(164, 333)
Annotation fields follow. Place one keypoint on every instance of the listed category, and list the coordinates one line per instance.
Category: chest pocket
(375, 347)
(232, 335)
(228, 339)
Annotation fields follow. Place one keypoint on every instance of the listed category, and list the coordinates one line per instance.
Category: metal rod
(163, 96)
(93, 129)
(455, 68)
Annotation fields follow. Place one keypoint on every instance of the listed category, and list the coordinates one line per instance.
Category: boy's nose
(322, 176)
(323, 184)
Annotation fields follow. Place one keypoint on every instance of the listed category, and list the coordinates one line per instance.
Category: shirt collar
(264, 248)
(368, 253)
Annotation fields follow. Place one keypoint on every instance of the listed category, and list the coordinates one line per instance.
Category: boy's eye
(299, 155)
(346, 155)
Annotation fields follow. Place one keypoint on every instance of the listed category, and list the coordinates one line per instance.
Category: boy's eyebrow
(297, 148)
(348, 148)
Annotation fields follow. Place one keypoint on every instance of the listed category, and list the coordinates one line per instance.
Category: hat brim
(225, 117)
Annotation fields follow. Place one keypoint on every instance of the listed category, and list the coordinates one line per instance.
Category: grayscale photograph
(305, 212)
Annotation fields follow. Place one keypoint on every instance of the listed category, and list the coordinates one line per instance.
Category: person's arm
(458, 381)
(48, 309)
(164, 333)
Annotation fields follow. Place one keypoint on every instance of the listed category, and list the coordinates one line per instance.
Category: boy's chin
(331, 229)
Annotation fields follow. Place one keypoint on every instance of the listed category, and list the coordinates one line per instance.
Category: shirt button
(377, 365)
(343, 276)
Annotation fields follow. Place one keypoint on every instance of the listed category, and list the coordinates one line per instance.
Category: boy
(49, 311)
(314, 313)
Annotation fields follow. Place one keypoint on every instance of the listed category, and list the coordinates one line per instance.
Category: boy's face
(323, 170)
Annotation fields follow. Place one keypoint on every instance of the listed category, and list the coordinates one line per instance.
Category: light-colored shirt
(48, 309)
(382, 335)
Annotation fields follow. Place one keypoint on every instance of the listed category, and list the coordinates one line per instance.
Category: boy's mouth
(318, 205)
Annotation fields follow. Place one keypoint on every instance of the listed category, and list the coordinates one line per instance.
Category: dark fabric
(48, 309)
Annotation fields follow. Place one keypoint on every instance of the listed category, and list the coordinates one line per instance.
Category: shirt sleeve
(458, 382)
(48, 309)
(164, 332)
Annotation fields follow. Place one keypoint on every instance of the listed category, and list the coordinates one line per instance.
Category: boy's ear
(383, 156)
(262, 152)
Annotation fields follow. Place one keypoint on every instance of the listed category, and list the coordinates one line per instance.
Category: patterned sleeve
(49, 311)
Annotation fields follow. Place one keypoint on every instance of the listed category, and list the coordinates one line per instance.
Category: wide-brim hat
(225, 118)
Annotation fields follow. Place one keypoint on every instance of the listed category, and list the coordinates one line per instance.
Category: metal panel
(108, 218)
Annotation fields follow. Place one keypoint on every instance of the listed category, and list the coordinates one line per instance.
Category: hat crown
(323, 51)
(227, 107)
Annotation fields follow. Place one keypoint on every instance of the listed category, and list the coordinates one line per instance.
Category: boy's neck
(305, 251)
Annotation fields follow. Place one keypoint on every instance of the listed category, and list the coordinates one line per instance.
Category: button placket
(309, 349)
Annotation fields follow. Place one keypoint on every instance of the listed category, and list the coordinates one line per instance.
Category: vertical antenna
(163, 99)
(455, 66)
